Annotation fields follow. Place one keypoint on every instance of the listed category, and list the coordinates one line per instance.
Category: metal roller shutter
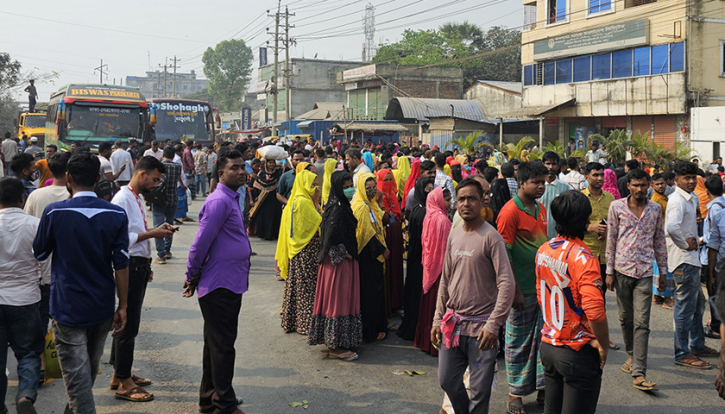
(665, 130)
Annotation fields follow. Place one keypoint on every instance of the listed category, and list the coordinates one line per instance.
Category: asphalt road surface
(273, 368)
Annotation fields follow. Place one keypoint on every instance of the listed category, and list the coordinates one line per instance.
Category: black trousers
(712, 291)
(220, 309)
(139, 271)
(573, 379)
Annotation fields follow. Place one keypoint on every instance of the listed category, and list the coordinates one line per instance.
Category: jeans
(201, 183)
(139, 271)
(161, 215)
(689, 307)
(634, 299)
(20, 326)
(79, 350)
(573, 379)
(220, 310)
(452, 364)
(190, 177)
(44, 307)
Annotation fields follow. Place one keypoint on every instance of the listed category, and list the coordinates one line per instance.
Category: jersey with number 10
(568, 285)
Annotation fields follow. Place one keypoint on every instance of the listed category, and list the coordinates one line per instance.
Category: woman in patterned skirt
(336, 319)
(297, 249)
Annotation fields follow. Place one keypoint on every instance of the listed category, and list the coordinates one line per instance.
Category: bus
(183, 120)
(88, 114)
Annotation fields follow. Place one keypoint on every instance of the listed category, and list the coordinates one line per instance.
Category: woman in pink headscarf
(610, 183)
(436, 227)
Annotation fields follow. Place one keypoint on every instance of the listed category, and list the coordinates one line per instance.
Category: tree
(468, 144)
(9, 109)
(422, 47)
(9, 72)
(228, 67)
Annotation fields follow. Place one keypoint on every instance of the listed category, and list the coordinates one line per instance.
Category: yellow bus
(87, 114)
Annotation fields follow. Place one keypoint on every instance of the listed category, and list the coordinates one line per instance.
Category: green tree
(467, 144)
(423, 47)
(228, 67)
(9, 109)
(9, 73)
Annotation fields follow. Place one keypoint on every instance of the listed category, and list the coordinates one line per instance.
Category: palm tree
(516, 151)
(644, 148)
(617, 144)
(468, 144)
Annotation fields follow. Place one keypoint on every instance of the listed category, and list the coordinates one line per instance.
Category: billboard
(246, 119)
(262, 56)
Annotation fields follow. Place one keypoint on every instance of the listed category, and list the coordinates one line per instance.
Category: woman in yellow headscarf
(297, 249)
(402, 173)
(371, 246)
(330, 165)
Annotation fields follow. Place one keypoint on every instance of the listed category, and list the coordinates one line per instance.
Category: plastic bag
(52, 365)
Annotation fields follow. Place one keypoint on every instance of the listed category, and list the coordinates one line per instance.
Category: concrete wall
(705, 54)
(495, 101)
(707, 126)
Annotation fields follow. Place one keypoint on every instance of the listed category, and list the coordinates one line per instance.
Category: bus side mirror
(153, 119)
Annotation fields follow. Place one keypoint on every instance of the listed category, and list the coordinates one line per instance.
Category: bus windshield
(35, 121)
(95, 123)
(182, 122)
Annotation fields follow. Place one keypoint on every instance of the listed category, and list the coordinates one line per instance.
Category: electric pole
(174, 81)
(275, 82)
(165, 66)
(100, 69)
(287, 75)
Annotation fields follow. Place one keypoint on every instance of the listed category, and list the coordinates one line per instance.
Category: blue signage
(246, 119)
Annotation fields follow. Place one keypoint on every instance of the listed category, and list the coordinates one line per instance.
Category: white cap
(34, 139)
(308, 147)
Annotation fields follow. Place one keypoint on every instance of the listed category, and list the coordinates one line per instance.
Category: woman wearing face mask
(394, 240)
(436, 227)
(297, 250)
(373, 253)
(414, 278)
(268, 210)
(336, 320)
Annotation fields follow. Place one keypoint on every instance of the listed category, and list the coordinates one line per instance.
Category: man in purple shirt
(218, 267)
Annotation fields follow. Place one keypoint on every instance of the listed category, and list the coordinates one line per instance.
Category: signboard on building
(246, 119)
(357, 73)
(617, 36)
(350, 86)
(262, 56)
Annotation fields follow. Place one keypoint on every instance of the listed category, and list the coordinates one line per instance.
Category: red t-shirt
(568, 285)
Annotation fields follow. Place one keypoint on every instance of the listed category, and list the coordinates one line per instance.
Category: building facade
(591, 66)
(152, 85)
(370, 88)
(311, 81)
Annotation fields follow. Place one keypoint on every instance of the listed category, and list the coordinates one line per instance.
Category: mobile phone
(176, 228)
(604, 221)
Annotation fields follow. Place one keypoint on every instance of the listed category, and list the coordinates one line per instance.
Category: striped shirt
(552, 191)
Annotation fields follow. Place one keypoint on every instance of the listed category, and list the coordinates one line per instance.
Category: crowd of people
(512, 258)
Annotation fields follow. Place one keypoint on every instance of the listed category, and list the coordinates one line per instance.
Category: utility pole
(174, 81)
(276, 71)
(165, 66)
(100, 69)
(287, 75)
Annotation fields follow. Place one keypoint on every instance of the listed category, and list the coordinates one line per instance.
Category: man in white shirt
(684, 263)
(353, 159)
(19, 295)
(154, 151)
(596, 154)
(121, 158)
(145, 178)
(104, 156)
(574, 178)
(9, 149)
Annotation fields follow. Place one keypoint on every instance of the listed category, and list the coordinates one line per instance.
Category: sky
(135, 36)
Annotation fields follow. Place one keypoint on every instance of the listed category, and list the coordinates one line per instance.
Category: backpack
(158, 195)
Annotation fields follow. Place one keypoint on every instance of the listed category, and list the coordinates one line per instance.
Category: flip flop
(706, 352)
(139, 381)
(639, 385)
(627, 368)
(519, 405)
(346, 356)
(381, 336)
(613, 346)
(691, 361)
(129, 395)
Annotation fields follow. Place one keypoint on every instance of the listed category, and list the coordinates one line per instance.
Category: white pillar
(500, 132)
(541, 133)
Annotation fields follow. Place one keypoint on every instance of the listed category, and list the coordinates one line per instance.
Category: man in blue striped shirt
(88, 238)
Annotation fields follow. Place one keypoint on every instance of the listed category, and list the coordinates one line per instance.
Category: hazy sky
(71, 37)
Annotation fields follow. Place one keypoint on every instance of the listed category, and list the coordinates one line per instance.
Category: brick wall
(428, 89)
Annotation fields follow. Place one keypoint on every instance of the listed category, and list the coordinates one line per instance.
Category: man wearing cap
(33, 148)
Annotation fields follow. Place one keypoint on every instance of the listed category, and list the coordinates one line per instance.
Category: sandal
(706, 352)
(381, 336)
(517, 405)
(393, 327)
(694, 362)
(137, 394)
(139, 381)
(345, 356)
(613, 346)
(627, 368)
(645, 385)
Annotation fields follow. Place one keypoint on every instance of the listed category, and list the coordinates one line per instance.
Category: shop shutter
(665, 130)
(643, 124)
(614, 122)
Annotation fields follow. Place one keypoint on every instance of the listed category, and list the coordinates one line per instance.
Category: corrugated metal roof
(325, 111)
(421, 109)
(509, 86)
(372, 126)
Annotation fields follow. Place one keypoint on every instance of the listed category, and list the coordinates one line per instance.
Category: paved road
(274, 368)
